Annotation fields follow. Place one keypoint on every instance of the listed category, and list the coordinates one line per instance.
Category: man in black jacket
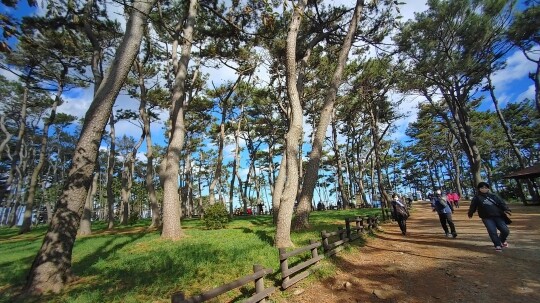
(491, 209)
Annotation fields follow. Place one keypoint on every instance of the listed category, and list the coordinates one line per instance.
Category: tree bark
(86, 219)
(110, 171)
(27, 221)
(510, 139)
(312, 167)
(51, 268)
(341, 184)
(293, 137)
(149, 178)
(172, 213)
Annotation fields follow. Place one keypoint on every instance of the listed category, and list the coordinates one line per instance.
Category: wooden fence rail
(260, 292)
(357, 228)
(286, 272)
(331, 248)
(290, 276)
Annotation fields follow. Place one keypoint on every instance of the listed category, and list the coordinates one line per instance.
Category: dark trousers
(446, 220)
(402, 225)
(492, 225)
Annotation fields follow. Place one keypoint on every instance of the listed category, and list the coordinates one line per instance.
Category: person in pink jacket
(455, 199)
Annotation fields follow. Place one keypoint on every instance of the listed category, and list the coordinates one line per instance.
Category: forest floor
(425, 266)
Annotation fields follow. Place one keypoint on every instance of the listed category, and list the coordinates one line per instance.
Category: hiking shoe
(505, 244)
(498, 249)
(454, 235)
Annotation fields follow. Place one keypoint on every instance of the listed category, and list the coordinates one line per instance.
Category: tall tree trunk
(457, 167)
(337, 156)
(236, 160)
(510, 139)
(6, 133)
(51, 268)
(19, 194)
(124, 193)
(149, 178)
(301, 220)
(293, 137)
(27, 221)
(127, 180)
(86, 219)
(172, 213)
(463, 133)
(18, 146)
(110, 171)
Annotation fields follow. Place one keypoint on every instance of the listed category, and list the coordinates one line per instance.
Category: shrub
(133, 217)
(216, 216)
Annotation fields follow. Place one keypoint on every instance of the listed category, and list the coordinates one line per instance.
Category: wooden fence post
(314, 251)
(178, 297)
(324, 240)
(359, 225)
(348, 227)
(283, 265)
(259, 283)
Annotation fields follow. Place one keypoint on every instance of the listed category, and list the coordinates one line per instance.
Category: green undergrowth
(133, 264)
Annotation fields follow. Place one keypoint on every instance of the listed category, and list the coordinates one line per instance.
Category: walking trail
(425, 266)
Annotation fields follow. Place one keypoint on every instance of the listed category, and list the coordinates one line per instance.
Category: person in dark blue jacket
(491, 209)
(444, 210)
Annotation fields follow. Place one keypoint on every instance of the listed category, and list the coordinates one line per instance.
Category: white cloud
(529, 93)
(76, 102)
(517, 68)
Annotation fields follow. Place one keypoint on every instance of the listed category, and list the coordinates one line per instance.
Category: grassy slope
(132, 264)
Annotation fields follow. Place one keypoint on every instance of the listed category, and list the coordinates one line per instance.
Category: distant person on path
(450, 199)
(490, 209)
(444, 210)
(456, 198)
(401, 213)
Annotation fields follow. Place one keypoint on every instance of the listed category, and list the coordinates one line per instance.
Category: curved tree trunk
(337, 156)
(312, 167)
(51, 268)
(145, 117)
(293, 137)
(27, 221)
(510, 140)
(172, 213)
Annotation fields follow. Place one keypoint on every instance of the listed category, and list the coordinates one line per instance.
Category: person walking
(456, 198)
(491, 209)
(450, 199)
(401, 213)
(444, 210)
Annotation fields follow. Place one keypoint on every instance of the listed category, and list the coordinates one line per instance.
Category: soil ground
(425, 266)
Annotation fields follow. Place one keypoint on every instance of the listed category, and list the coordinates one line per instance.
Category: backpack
(400, 211)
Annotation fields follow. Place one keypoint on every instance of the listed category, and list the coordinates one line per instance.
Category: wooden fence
(292, 275)
(260, 292)
(286, 272)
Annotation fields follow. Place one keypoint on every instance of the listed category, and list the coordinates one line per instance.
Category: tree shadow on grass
(261, 234)
(103, 252)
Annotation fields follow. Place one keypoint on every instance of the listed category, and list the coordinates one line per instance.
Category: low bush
(216, 216)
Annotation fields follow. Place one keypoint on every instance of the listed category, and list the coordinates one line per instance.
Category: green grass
(132, 264)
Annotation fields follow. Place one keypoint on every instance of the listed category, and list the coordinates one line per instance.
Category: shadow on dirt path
(425, 266)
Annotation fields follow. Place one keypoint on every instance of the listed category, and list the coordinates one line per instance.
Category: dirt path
(425, 266)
